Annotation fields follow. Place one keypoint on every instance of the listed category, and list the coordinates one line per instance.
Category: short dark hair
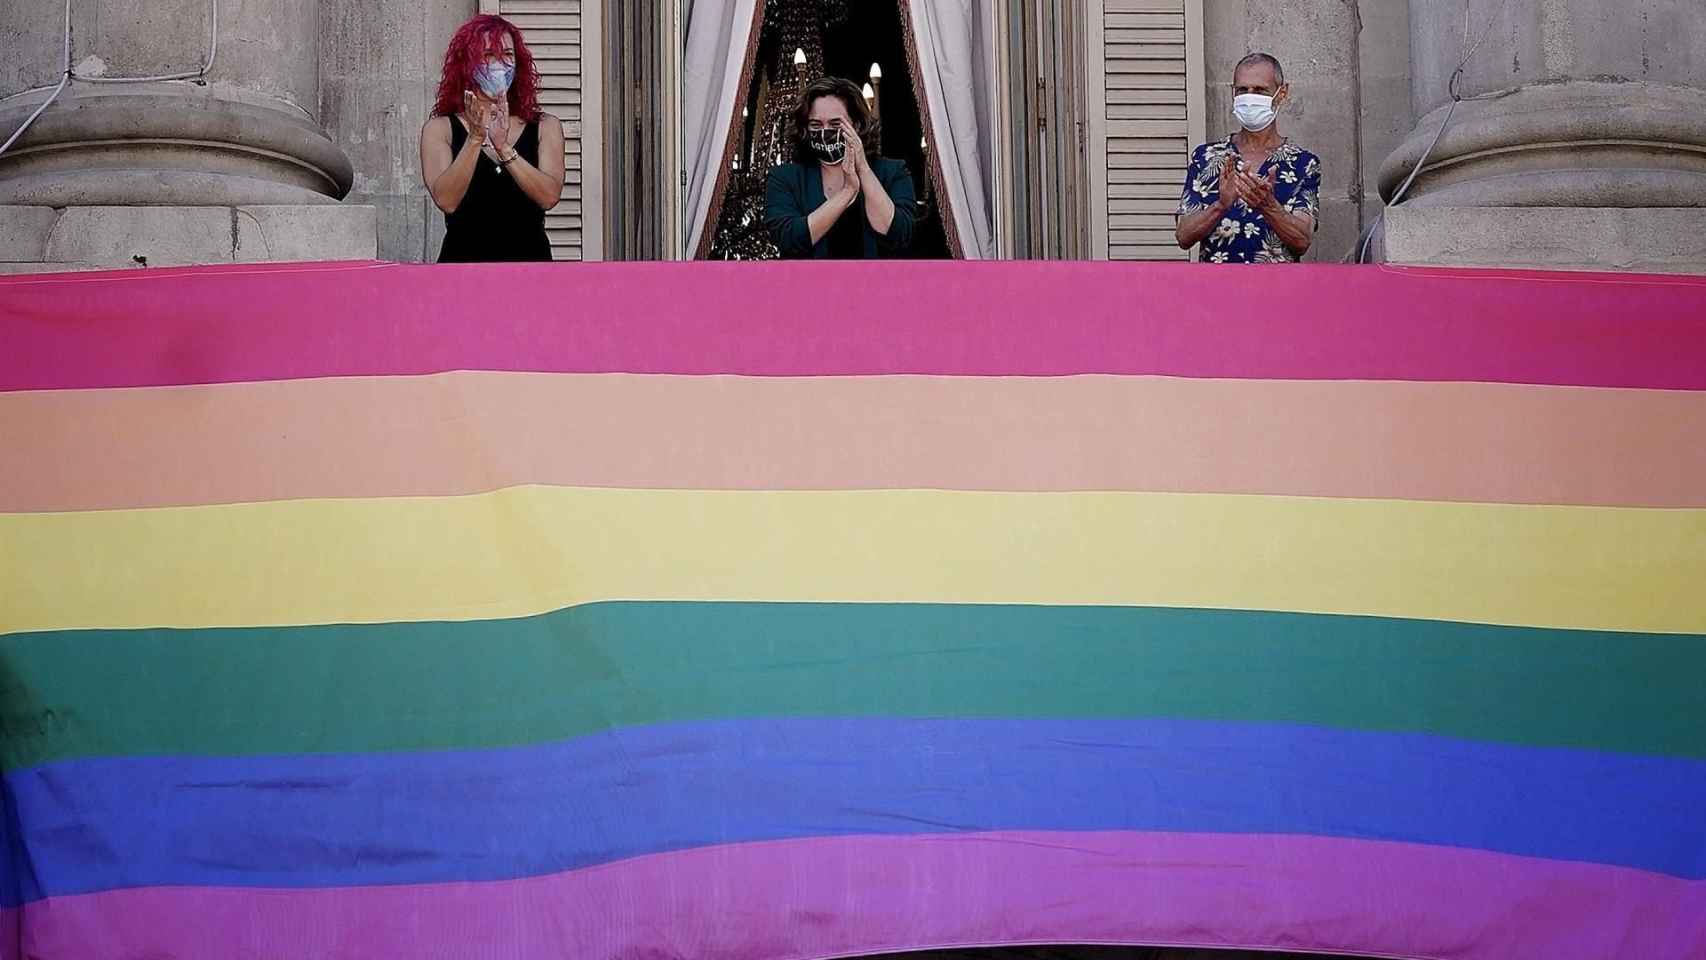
(869, 128)
(1259, 58)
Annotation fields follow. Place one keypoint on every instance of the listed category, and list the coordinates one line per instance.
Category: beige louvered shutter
(1145, 96)
(566, 41)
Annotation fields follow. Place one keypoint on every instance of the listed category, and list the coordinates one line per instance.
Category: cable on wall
(1455, 87)
(67, 74)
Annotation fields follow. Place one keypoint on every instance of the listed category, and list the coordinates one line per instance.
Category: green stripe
(351, 688)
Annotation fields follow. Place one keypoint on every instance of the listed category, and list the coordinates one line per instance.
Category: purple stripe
(971, 319)
(822, 897)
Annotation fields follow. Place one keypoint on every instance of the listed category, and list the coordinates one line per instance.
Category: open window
(933, 89)
(862, 42)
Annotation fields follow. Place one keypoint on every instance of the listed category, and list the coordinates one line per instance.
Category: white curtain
(717, 35)
(955, 43)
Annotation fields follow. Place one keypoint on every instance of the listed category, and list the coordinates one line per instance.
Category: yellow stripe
(527, 550)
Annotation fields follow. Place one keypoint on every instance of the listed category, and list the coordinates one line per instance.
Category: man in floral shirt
(1255, 196)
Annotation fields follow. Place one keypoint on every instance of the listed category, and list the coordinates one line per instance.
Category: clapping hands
(485, 119)
(854, 162)
(1255, 192)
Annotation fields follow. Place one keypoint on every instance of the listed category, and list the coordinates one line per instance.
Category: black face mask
(827, 144)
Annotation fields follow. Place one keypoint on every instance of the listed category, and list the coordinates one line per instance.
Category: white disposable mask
(1254, 111)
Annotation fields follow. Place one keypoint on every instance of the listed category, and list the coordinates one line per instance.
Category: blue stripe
(332, 820)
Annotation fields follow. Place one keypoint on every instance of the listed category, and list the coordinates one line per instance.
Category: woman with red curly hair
(492, 160)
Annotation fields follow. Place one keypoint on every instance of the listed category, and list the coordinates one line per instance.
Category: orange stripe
(470, 432)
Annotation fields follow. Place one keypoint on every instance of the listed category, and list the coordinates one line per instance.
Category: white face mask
(1254, 111)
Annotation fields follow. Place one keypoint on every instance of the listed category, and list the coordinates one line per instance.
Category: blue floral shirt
(1244, 236)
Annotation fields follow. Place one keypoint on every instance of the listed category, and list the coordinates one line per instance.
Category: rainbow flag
(791, 612)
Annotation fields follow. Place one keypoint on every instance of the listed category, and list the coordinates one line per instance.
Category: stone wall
(380, 62)
(308, 102)
(1388, 112)
(260, 43)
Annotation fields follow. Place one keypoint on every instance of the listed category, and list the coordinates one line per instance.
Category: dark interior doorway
(873, 33)
(846, 37)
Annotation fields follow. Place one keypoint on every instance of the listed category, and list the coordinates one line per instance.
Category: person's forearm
(534, 182)
(1295, 230)
(820, 221)
(1194, 228)
(452, 185)
(879, 209)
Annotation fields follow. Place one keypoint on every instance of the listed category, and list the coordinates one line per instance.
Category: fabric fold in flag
(852, 896)
(529, 550)
(935, 605)
(435, 817)
(586, 669)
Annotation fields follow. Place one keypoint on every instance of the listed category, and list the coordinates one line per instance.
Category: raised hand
(854, 163)
(476, 115)
(1232, 183)
(1259, 191)
(497, 125)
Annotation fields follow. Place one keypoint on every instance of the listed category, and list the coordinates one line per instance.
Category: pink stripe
(1037, 319)
(826, 897)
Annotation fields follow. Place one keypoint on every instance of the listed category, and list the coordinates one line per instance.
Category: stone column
(232, 166)
(1580, 141)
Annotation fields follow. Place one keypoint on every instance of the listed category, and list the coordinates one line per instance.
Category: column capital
(1566, 143)
(168, 143)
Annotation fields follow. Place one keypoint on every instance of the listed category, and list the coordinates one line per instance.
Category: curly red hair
(473, 40)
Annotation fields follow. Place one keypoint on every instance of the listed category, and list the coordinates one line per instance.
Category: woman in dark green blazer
(838, 200)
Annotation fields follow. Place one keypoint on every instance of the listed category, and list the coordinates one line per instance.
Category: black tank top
(496, 221)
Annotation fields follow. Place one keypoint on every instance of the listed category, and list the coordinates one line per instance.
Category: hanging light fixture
(876, 71)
